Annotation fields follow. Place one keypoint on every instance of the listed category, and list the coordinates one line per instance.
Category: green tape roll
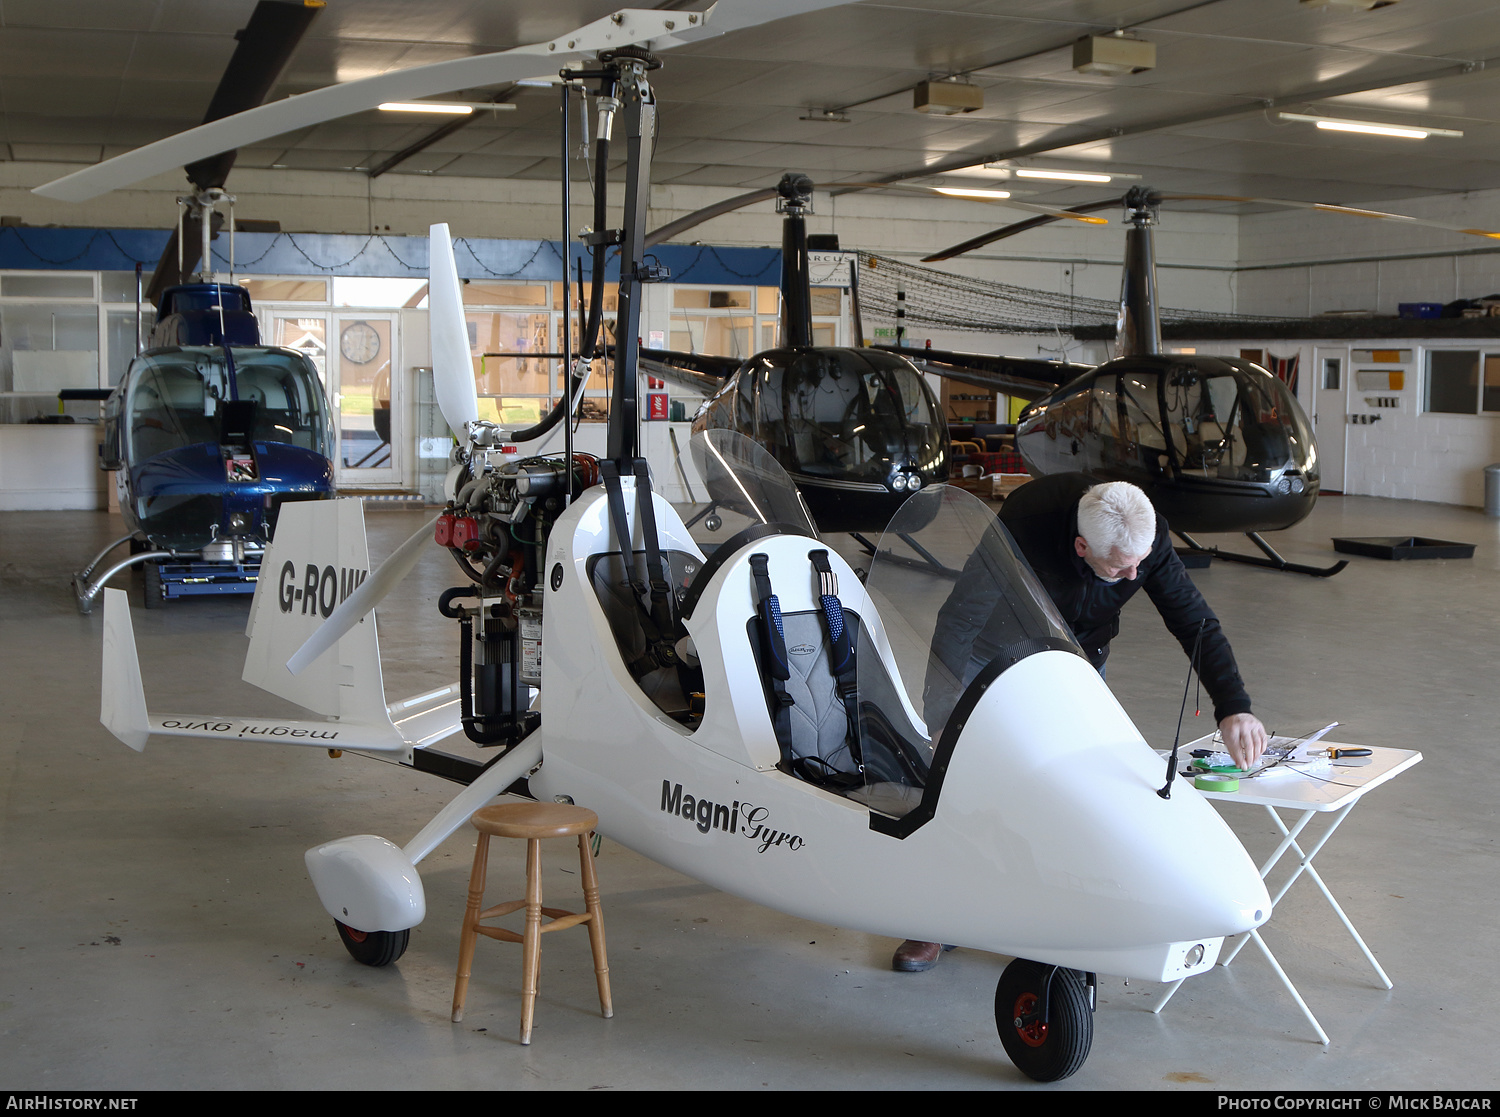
(1216, 783)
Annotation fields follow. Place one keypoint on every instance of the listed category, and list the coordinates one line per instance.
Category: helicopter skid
(1269, 558)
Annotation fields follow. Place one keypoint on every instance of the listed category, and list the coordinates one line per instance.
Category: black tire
(1054, 1050)
(373, 948)
(155, 595)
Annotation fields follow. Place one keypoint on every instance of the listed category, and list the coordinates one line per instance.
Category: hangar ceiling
(829, 93)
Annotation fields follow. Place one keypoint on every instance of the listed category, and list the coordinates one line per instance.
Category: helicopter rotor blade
(657, 29)
(452, 365)
(740, 201)
(1018, 227)
(384, 578)
(718, 209)
(1329, 207)
(1076, 214)
(263, 48)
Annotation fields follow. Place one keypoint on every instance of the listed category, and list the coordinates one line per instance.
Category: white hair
(1117, 517)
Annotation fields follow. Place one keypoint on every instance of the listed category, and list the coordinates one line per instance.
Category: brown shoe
(914, 956)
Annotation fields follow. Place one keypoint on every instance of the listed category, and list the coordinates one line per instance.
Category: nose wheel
(1045, 1018)
(373, 948)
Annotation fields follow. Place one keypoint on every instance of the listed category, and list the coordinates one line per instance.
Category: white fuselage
(1048, 840)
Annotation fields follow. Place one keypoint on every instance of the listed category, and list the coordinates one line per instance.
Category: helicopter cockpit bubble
(190, 422)
(959, 605)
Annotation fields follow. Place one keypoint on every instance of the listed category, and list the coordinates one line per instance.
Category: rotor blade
(956, 192)
(718, 209)
(1026, 377)
(264, 47)
(658, 29)
(1327, 207)
(370, 593)
(452, 363)
(1011, 230)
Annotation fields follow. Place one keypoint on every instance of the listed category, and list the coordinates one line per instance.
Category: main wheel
(373, 948)
(1046, 1051)
(155, 596)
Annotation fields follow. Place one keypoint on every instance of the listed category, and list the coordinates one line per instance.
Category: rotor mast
(1138, 328)
(794, 201)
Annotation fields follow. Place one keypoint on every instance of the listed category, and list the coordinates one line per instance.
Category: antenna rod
(567, 281)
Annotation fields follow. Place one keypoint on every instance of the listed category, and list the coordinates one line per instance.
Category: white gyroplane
(757, 717)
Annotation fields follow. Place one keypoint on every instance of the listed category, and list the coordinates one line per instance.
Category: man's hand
(1244, 738)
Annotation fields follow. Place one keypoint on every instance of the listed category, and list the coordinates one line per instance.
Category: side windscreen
(954, 597)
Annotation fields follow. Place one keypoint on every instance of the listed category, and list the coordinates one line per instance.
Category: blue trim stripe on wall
(33, 249)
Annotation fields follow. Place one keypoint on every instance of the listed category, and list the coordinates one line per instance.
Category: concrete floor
(158, 930)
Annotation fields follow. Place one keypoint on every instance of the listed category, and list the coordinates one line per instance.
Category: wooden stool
(534, 822)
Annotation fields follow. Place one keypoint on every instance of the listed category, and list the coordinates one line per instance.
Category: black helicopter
(858, 429)
(1218, 443)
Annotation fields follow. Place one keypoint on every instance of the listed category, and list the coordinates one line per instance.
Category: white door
(1330, 427)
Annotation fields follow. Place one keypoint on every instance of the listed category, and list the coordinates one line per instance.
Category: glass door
(353, 351)
(361, 355)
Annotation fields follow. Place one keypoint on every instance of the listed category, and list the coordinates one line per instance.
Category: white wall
(1408, 453)
(1317, 241)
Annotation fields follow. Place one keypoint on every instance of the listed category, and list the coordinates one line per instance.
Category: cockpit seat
(833, 731)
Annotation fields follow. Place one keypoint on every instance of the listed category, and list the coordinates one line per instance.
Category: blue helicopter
(209, 433)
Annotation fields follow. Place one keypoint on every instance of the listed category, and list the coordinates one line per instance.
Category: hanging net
(957, 302)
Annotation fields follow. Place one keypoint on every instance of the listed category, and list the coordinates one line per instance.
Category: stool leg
(595, 924)
(531, 948)
(467, 936)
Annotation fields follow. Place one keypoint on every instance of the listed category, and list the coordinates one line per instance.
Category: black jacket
(1042, 517)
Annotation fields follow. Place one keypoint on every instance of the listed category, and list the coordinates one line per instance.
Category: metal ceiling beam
(442, 131)
(1318, 93)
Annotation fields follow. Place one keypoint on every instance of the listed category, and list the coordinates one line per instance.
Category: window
(1462, 382)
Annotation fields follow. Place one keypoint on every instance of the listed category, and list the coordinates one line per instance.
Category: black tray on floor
(1403, 547)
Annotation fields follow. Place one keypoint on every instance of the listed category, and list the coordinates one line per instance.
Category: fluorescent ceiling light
(1060, 176)
(967, 192)
(1334, 124)
(426, 106)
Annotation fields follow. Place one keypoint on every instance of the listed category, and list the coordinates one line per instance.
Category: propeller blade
(452, 364)
(657, 29)
(370, 593)
(1011, 230)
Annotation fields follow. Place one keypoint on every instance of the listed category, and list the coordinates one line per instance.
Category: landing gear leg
(1045, 1018)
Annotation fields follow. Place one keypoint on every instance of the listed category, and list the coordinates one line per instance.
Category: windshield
(746, 487)
(847, 413)
(177, 395)
(958, 604)
(1240, 424)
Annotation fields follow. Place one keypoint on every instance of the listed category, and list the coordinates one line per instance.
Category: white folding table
(1286, 788)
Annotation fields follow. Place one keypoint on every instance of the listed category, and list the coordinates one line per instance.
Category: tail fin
(122, 706)
(317, 559)
(122, 699)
